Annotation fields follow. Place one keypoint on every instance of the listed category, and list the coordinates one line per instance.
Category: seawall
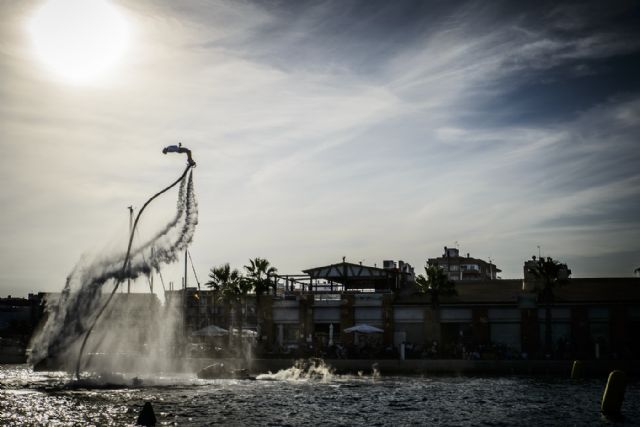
(140, 364)
(443, 366)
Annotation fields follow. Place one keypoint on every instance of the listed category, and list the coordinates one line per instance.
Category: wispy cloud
(372, 130)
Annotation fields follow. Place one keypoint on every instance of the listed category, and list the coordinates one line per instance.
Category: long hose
(124, 266)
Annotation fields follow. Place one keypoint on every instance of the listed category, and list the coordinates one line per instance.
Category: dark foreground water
(293, 398)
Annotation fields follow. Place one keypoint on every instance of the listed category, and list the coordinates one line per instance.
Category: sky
(371, 130)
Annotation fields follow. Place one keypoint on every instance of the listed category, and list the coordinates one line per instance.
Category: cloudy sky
(323, 129)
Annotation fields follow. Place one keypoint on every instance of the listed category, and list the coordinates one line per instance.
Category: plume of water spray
(169, 253)
(77, 307)
(375, 372)
(303, 370)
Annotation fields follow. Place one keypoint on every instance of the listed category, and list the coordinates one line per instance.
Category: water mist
(119, 332)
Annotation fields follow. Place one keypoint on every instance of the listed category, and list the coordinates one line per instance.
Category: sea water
(314, 397)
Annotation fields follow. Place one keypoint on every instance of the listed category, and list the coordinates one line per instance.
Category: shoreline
(136, 363)
(459, 367)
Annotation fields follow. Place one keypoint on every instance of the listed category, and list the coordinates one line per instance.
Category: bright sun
(79, 39)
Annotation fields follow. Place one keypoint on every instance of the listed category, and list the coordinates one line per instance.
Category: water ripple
(28, 398)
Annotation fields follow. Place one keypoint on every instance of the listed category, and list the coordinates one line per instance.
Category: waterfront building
(591, 318)
(310, 313)
(202, 308)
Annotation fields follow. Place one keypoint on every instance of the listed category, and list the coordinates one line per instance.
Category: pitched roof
(347, 270)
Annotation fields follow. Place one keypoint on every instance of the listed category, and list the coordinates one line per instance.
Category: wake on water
(81, 301)
(303, 370)
(313, 369)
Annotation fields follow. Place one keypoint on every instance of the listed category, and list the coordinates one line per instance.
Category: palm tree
(548, 274)
(260, 273)
(226, 284)
(435, 284)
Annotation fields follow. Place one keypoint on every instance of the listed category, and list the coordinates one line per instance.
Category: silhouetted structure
(487, 319)
(358, 277)
(18, 320)
(464, 268)
(147, 417)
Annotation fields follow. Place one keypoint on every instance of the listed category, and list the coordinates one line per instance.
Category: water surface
(292, 398)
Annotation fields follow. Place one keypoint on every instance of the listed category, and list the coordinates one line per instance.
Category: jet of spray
(78, 311)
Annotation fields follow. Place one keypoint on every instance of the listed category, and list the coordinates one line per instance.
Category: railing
(302, 284)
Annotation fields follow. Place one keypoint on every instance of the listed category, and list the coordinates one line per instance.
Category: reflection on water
(306, 396)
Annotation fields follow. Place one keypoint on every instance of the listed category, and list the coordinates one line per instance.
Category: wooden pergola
(356, 277)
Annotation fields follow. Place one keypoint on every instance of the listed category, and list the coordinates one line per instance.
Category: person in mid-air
(179, 149)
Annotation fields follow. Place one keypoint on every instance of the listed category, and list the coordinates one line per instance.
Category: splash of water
(375, 371)
(303, 370)
(81, 300)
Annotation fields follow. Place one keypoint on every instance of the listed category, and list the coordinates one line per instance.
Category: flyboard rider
(179, 149)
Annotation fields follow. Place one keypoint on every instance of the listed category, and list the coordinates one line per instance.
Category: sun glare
(79, 40)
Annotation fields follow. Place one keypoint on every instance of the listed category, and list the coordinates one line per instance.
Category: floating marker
(614, 393)
(147, 417)
(576, 370)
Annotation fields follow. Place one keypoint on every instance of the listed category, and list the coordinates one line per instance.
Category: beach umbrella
(211, 331)
(363, 328)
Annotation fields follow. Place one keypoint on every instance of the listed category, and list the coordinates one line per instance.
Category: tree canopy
(436, 284)
(549, 274)
(232, 285)
(260, 273)
(228, 282)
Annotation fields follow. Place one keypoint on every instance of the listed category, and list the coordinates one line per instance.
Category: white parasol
(364, 329)
(211, 331)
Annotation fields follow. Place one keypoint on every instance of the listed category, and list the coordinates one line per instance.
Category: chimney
(468, 255)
